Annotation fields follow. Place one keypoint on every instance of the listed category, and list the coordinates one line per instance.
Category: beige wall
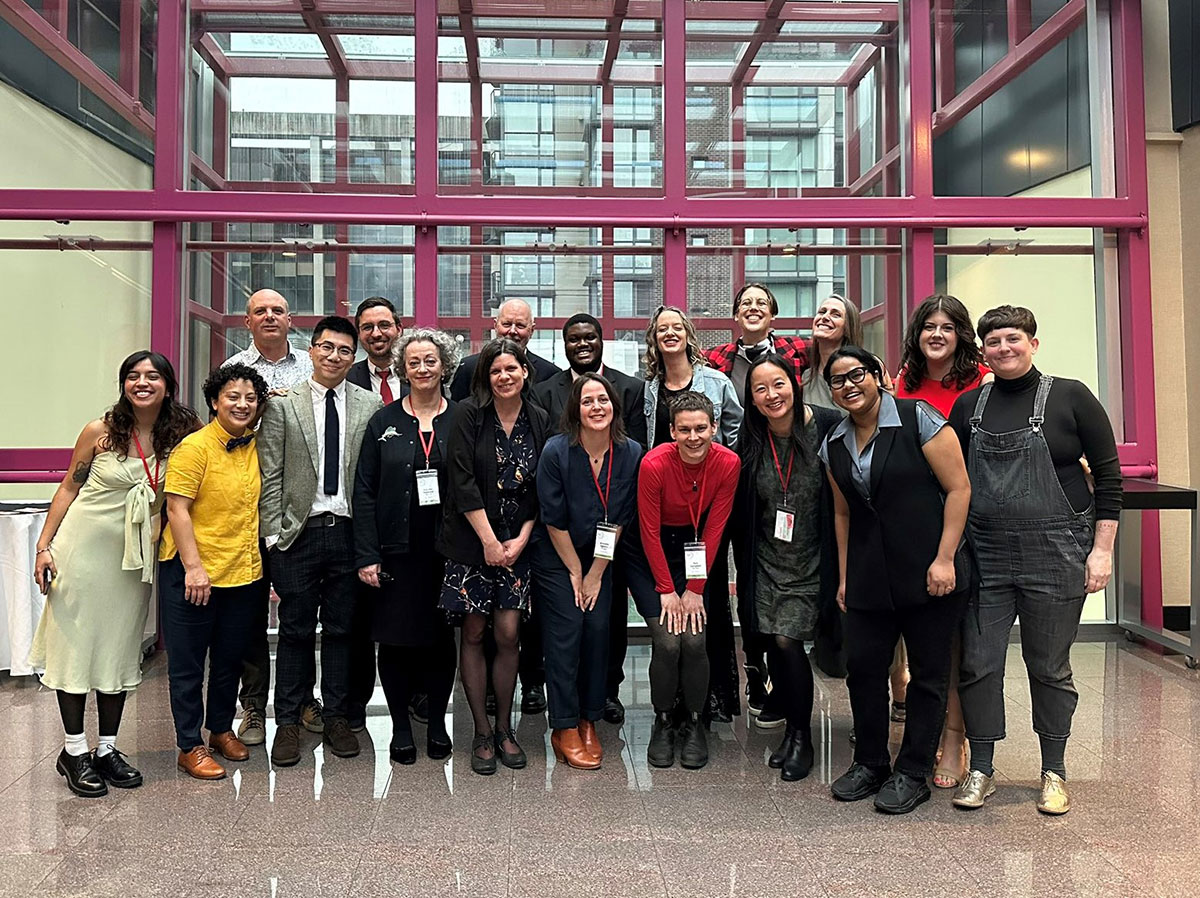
(69, 318)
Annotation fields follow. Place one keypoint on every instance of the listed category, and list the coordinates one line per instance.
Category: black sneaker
(756, 691)
(661, 750)
(858, 782)
(614, 711)
(901, 794)
(693, 744)
(533, 700)
(340, 738)
(418, 707)
(118, 772)
(82, 777)
(770, 718)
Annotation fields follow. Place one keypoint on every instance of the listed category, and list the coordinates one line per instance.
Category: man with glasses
(308, 447)
(379, 328)
(754, 310)
(271, 354)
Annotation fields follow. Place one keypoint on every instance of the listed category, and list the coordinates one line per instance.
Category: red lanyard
(779, 470)
(608, 485)
(694, 513)
(428, 447)
(153, 480)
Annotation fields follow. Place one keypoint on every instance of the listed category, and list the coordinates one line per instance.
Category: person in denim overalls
(1041, 541)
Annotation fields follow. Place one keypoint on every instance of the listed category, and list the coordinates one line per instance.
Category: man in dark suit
(514, 319)
(583, 340)
(379, 328)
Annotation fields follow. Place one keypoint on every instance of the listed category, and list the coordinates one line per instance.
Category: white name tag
(785, 523)
(427, 488)
(606, 541)
(695, 561)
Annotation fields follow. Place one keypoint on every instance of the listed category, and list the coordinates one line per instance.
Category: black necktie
(753, 352)
(331, 444)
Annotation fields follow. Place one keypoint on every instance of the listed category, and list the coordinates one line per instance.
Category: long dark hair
(572, 419)
(481, 381)
(964, 370)
(754, 435)
(174, 421)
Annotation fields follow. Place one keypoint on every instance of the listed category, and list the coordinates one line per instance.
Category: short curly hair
(446, 347)
(216, 381)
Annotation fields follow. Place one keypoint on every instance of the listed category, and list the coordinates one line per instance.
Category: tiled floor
(362, 827)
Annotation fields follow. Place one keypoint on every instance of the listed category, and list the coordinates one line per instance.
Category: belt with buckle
(327, 519)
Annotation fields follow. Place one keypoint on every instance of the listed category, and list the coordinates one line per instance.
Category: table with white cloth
(20, 600)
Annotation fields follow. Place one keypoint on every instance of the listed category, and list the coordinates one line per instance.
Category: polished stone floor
(360, 827)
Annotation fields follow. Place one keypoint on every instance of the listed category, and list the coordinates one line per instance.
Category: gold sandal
(946, 777)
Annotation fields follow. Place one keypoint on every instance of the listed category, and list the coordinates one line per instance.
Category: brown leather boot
(199, 763)
(568, 748)
(591, 742)
(229, 746)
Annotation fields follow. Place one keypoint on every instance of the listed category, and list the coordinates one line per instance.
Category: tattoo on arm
(82, 469)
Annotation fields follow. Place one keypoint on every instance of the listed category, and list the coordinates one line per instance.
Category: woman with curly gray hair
(398, 491)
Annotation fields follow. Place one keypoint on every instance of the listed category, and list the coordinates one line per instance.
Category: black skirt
(405, 608)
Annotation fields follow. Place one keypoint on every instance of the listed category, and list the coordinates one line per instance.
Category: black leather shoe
(859, 782)
(693, 744)
(118, 772)
(901, 794)
(661, 750)
(614, 711)
(775, 762)
(533, 700)
(756, 691)
(401, 749)
(515, 760)
(341, 741)
(716, 712)
(438, 745)
(82, 777)
(799, 760)
(419, 708)
(484, 766)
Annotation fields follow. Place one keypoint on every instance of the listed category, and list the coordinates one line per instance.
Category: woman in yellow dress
(95, 565)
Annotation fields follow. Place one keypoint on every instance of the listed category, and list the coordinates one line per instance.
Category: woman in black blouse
(397, 503)
(489, 512)
(1042, 539)
(587, 491)
(900, 498)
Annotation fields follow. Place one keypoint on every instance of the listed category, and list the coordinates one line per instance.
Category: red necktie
(385, 391)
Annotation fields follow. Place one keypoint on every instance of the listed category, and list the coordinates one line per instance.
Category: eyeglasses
(854, 375)
(327, 348)
(754, 302)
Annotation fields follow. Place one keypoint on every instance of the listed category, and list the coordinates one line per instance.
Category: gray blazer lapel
(301, 396)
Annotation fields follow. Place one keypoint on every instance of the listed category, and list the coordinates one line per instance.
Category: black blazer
(552, 396)
(385, 480)
(360, 376)
(460, 387)
(894, 537)
(471, 478)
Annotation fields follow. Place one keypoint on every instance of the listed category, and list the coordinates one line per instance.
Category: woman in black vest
(900, 494)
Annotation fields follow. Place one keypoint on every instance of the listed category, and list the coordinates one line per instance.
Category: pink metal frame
(923, 29)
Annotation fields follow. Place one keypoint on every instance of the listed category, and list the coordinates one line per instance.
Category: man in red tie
(379, 328)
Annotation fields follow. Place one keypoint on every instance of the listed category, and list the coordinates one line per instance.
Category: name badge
(427, 488)
(785, 523)
(695, 561)
(606, 541)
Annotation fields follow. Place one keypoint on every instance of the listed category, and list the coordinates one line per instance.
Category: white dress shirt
(377, 381)
(337, 502)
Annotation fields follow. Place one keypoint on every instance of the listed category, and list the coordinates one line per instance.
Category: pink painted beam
(613, 26)
(1012, 64)
(206, 174)
(39, 32)
(425, 280)
(131, 46)
(57, 13)
(768, 26)
(865, 60)
(466, 24)
(874, 173)
(211, 53)
(943, 51)
(332, 46)
(920, 85)
(1020, 21)
(674, 99)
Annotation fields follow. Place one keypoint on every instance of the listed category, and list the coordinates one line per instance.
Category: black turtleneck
(1076, 426)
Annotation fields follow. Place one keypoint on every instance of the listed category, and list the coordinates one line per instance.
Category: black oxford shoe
(118, 772)
(82, 776)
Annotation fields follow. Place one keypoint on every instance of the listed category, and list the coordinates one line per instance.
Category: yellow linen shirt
(224, 488)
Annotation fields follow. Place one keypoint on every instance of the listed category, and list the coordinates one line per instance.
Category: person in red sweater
(685, 494)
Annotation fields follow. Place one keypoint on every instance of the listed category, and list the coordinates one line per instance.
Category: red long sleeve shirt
(666, 486)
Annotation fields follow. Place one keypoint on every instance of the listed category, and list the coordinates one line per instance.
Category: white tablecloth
(20, 601)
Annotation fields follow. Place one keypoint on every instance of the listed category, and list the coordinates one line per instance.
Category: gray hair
(446, 347)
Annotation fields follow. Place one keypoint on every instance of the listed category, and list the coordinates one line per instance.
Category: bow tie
(235, 442)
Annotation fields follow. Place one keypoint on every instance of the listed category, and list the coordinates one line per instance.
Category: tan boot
(568, 748)
(591, 742)
(199, 763)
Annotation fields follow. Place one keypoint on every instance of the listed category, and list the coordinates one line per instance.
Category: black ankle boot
(799, 759)
(693, 748)
(661, 750)
(778, 755)
(82, 777)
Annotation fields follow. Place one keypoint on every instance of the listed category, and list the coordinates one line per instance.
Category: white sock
(107, 744)
(76, 744)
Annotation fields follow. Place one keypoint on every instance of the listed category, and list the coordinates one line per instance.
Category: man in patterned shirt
(282, 367)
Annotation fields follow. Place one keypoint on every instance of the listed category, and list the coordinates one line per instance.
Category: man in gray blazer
(308, 447)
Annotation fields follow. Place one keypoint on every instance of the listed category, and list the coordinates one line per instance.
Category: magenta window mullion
(426, 168)
(166, 305)
(920, 86)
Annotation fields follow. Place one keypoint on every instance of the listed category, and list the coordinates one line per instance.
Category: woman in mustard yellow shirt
(209, 567)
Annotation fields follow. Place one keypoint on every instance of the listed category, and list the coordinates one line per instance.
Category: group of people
(899, 525)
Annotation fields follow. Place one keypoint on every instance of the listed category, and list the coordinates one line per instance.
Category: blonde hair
(653, 358)
(852, 330)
